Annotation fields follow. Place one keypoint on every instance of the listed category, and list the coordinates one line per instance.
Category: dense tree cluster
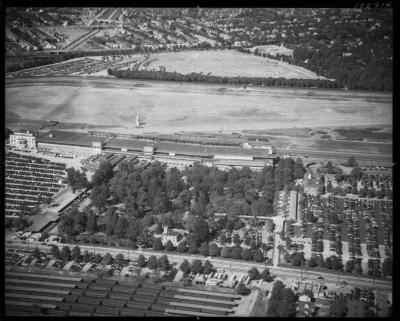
(74, 223)
(203, 192)
(154, 195)
(140, 189)
(352, 47)
(241, 289)
(20, 223)
(200, 77)
(197, 266)
(282, 302)
(76, 179)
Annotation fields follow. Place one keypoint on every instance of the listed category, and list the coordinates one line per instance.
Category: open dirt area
(112, 105)
(228, 63)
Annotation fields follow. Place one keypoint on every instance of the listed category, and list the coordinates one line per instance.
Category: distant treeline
(24, 62)
(375, 75)
(199, 77)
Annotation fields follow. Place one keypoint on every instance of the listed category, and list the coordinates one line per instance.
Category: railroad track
(234, 265)
(81, 39)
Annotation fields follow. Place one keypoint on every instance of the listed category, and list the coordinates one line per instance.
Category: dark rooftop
(69, 138)
(83, 139)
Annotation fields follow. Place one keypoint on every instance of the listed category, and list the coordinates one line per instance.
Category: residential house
(173, 235)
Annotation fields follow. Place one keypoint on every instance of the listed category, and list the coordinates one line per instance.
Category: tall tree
(236, 252)
(241, 289)
(266, 275)
(65, 253)
(182, 247)
(141, 261)
(163, 263)
(247, 254)
(207, 267)
(196, 266)
(169, 246)
(214, 249)
(236, 239)
(92, 226)
(152, 262)
(226, 252)
(99, 196)
(134, 229)
(120, 227)
(119, 259)
(204, 249)
(185, 266)
(258, 256)
(76, 253)
(107, 259)
(36, 252)
(254, 273)
(157, 245)
(55, 251)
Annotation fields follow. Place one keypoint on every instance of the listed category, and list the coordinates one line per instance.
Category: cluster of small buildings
(273, 50)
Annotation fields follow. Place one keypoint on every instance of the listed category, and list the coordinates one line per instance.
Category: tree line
(200, 77)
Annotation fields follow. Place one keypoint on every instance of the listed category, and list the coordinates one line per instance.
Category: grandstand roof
(161, 147)
(185, 149)
(69, 138)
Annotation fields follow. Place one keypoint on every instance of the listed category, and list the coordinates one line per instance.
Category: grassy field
(174, 107)
(228, 63)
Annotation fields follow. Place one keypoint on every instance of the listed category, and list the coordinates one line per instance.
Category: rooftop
(83, 139)
(69, 138)
(185, 149)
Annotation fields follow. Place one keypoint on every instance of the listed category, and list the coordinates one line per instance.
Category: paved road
(228, 265)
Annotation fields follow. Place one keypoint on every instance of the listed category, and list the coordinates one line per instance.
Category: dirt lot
(172, 107)
(228, 63)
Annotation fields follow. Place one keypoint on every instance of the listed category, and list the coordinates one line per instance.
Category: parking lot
(357, 229)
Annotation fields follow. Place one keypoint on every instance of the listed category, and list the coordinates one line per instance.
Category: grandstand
(29, 181)
(68, 296)
(172, 153)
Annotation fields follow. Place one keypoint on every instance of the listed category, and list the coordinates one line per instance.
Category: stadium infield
(168, 107)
